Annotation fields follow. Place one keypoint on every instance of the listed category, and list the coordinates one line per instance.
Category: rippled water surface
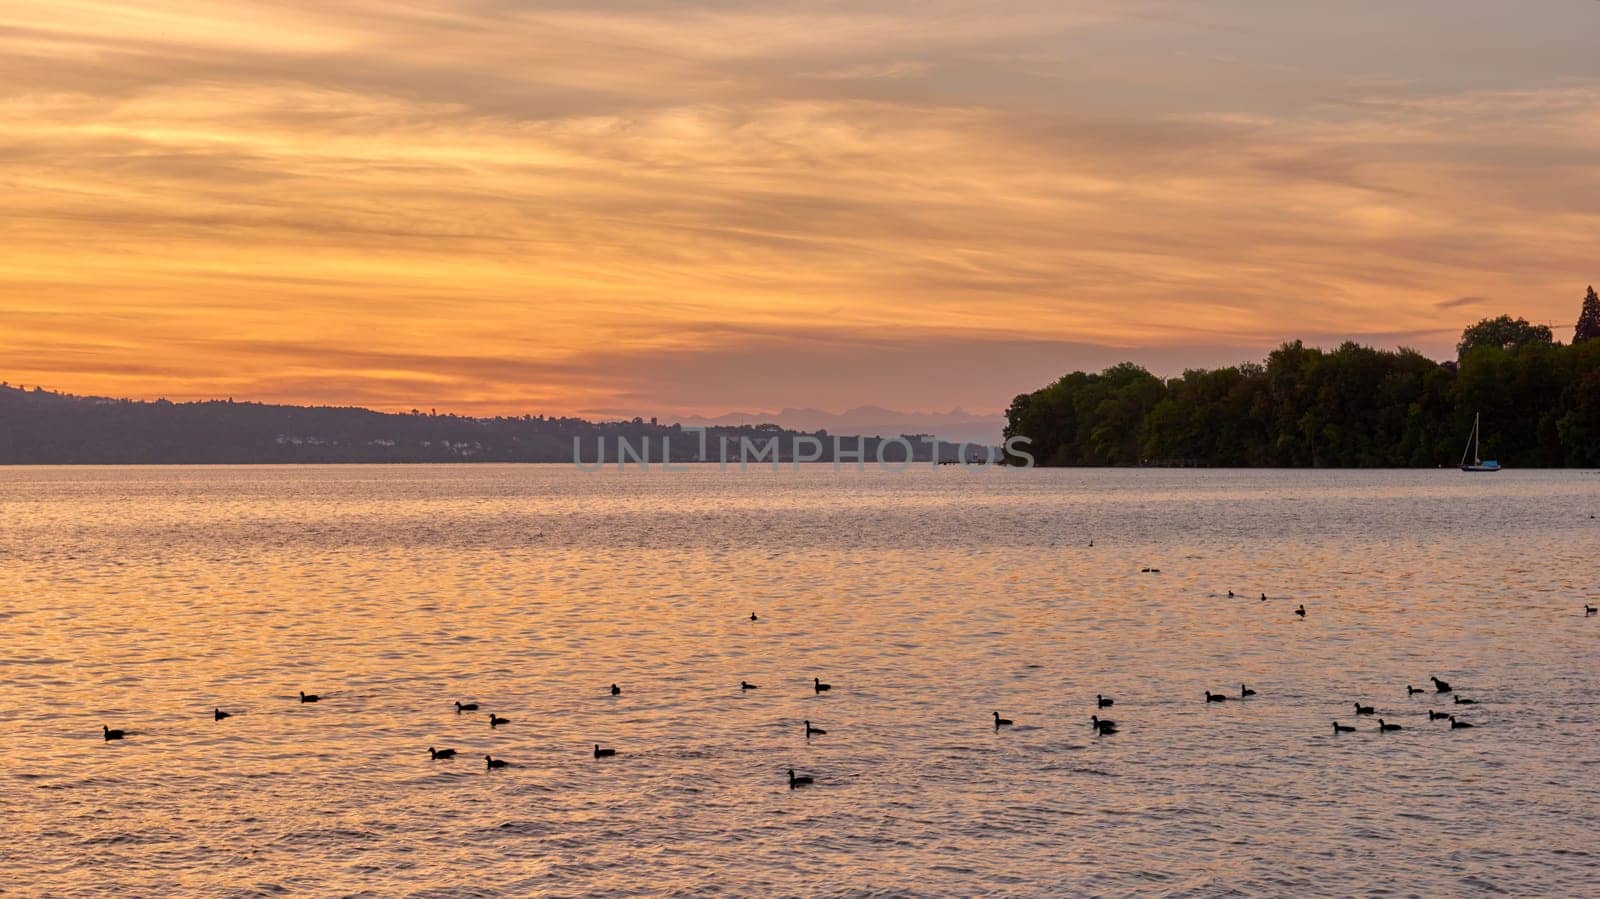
(145, 597)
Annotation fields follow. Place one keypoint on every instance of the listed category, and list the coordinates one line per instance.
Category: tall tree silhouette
(1589, 319)
(1503, 333)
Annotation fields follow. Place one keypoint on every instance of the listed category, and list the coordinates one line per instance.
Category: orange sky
(629, 206)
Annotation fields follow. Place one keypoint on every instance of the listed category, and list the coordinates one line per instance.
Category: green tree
(1589, 319)
(1504, 333)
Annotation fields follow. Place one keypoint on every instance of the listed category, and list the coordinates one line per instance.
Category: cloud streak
(526, 207)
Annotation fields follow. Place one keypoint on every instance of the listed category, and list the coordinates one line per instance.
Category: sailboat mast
(1471, 448)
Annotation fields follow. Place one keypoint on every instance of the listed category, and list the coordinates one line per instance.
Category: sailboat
(1478, 464)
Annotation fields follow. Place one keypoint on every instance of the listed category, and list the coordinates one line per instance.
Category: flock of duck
(1101, 726)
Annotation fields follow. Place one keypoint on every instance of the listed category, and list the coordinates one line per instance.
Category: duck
(820, 687)
(616, 690)
(1461, 701)
(603, 753)
(801, 781)
(1245, 691)
(1104, 731)
(1230, 594)
(1412, 691)
(466, 707)
(1000, 722)
(1454, 724)
(1102, 723)
(1215, 697)
(1386, 727)
(218, 714)
(746, 685)
(309, 697)
(1301, 611)
(1263, 597)
(437, 754)
(111, 734)
(813, 730)
(1362, 709)
(1437, 716)
(1439, 685)
(753, 617)
(1342, 729)
(490, 761)
(496, 720)
(1588, 609)
(1103, 702)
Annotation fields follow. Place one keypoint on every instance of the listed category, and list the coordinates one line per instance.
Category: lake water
(145, 597)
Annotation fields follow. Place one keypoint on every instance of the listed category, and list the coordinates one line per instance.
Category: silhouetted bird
(466, 707)
(496, 720)
(1460, 701)
(490, 761)
(1001, 722)
(1245, 691)
(753, 616)
(802, 781)
(817, 683)
(603, 753)
(1103, 702)
(1301, 611)
(312, 697)
(1099, 723)
(1215, 697)
(112, 734)
(616, 690)
(1230, 594)
(437, 754)
(1439, 685)
(1588, 610)
(218, 714)
(1412, 691)
(746, 685)
(1263, 597)
(1455, 724)
(1386, 727)
(1437, 716)
(813, 730)
(1341, 729)
(1362, 709)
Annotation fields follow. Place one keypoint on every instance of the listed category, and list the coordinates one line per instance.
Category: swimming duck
(1341, 729)
(466, 707)
(1001, 722)
(1245, 691)
(1455, 724)
(1460, 701)
(1102, 723)
(819, 685)
(746, 685)
(312, 697)
(1439, 685)
(1301, 611)
(437, 754)
(1230, 594)
(1587, 609)
(1362, 709)
(112, 734)
(801, 781)
(490, 761)
(616, 690)
(496, 720)
(1102, 702)
(1215, 697)
(1263, 597)
(1412, 691)
(218, 714)
(753, 617)
(1386, 727)
(1437, 716)
(813, 730)
(603, 753)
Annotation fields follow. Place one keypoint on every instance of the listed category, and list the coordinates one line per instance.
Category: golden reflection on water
(144, 598)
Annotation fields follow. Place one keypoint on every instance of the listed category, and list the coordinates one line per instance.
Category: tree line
(1351, 407)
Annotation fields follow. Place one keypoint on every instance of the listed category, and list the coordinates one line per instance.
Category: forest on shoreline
(1350, 407)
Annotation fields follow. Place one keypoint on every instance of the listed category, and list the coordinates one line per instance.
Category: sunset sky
(622, 207)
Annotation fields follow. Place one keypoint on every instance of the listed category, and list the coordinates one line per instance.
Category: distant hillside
(955, 425)
(38, 427)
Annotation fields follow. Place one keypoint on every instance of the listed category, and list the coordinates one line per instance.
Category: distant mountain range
(955, 426)
(42, 427)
